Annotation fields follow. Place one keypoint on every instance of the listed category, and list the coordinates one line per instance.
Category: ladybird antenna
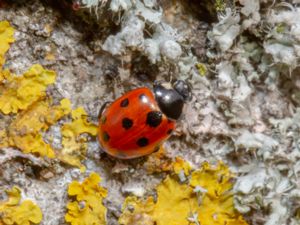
(119, 17)
(170, 75)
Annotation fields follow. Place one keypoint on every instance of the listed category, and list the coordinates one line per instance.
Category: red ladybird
(138, 122)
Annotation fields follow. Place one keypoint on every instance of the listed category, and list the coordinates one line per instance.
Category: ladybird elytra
(138, 122)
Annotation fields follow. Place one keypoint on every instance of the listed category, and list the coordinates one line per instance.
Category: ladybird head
(171, 99)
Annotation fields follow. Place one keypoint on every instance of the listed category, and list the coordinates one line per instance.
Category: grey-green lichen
(265, 121)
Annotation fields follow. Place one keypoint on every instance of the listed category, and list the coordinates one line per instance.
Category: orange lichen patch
(19, 92)
(175, 203)
(158, 162)
(180, 165)
(87, 208)
(206, 200)
(6, 38)
(215, 185)
(74, 144)
(15, 212)
(25, 132)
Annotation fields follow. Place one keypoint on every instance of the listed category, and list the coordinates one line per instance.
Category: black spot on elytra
(170, 131)
(127, 123)
(154, 118)
(124, 102)
(105, 136)
(142, 142)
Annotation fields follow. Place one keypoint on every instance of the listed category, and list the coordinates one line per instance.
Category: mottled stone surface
(244, 111)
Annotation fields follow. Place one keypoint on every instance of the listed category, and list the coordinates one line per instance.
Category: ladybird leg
(102, 108)
(156, 148)
(156, 83)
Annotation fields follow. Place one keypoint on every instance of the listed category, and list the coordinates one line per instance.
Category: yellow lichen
(158, 162)
(217, 207)
(202, 69)
(3, 75)
(175, 202)
(206, 200)
(75, 145)
(3, 139)
(25, 132)
(220, 5)
(50, 56)
(48, 28)
(216, 180)
(137, 211)
(19, 92)
(181, 165)
(15, 212)
(26, 95)
(280, 28)
(6, 38)
(87, 208)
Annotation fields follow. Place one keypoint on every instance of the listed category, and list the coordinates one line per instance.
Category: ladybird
(137, 123)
